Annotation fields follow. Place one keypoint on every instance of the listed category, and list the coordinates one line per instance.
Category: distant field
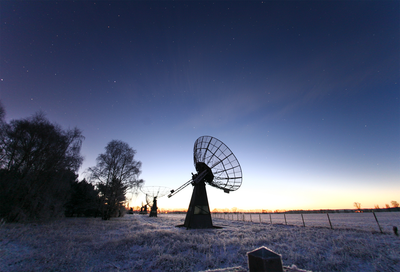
(142, 243)
(362, 221)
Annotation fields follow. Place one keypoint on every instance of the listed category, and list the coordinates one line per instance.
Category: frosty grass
(142, 243)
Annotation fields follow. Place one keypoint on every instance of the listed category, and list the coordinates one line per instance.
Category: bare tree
(115, 173)
(357, 205)
(2, 112)
(3, 129)
(34, 144)
(387, 206)
(38, 163)
(395, 204)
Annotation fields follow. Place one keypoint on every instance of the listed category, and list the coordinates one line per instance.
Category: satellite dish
(152, 194)
(217, 166)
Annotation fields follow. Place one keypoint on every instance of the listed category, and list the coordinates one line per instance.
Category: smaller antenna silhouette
(143, 209)
(153, 193)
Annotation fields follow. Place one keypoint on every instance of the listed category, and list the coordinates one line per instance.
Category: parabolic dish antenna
(217, 166)
(152, 194)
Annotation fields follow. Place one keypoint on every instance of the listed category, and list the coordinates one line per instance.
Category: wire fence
(383, 222)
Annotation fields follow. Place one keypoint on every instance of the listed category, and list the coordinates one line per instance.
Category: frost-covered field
(361, 221)
(142, 243)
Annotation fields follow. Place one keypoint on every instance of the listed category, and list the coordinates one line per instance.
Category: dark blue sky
(306, 94)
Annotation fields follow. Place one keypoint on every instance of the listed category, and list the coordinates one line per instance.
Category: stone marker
(264, 260)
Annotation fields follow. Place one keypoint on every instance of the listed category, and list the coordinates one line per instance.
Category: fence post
(270, 218)
(377, 222)
(251, 219)
(329, 220)
(259, 215)
(303, 220)
(284, 215)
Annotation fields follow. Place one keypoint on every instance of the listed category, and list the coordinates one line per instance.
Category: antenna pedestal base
(198, 215)
(153, 211)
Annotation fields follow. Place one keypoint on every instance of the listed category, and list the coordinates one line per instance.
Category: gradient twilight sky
(305, 94)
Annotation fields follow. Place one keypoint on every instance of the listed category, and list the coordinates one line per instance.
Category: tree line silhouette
(39, 162)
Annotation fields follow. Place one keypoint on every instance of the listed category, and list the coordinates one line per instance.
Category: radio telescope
(217, 166)
(152, 194)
